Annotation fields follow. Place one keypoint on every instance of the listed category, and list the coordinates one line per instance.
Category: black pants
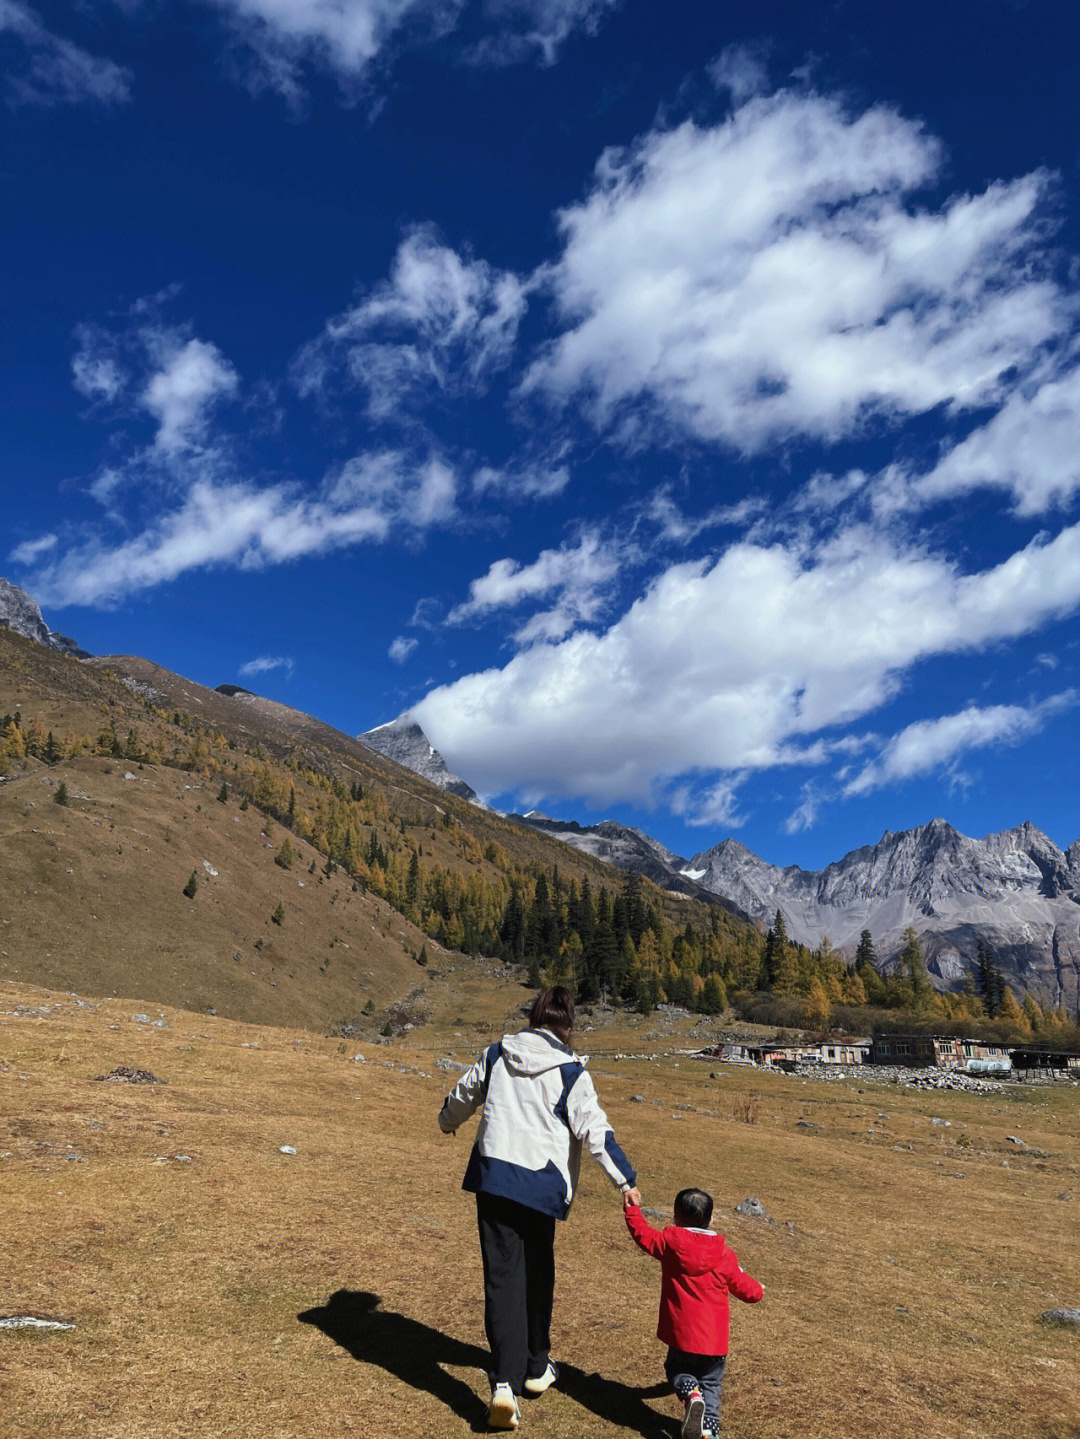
(518, 1248)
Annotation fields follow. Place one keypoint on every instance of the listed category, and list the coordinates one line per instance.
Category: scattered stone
(637, 1099)
(942, 1123)
(161, 1024)
(754, 1208)
(287, 1149)
(808, 1124)
(451, 1065)
(1064, 1318)
(1012, 1139)
(653, 1213)
(31, 1321)
(141, 1018)
(125, 1075)
(182, 1158)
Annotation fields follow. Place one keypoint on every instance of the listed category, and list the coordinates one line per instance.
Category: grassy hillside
(219, 1286)
(267, 807)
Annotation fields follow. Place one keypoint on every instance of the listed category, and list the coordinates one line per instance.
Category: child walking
(698, 1272)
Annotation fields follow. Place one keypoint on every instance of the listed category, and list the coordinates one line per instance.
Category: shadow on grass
(415, 1354)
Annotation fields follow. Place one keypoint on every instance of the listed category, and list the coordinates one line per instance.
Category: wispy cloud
(401, 648)
(578, 576)
(929, 745)
(264, 664)
(440, 323)
(48, 69)
(31, 550)
(218, 522)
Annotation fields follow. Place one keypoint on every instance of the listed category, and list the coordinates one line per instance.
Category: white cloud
(714, 804)
(741, 70)
(347, 37)
(578, 575)
(538, 26)
(233, 523)
(805, 814)
(344, 36)
(51, 70)
(773, 276)
(1028, 448)
(264, 664)
(31, 550)
(96, 370)
(192, 377)
(438, 323)
(933, 744)
(666, 519)
(730, 665)
(401, 649)
(528, 482)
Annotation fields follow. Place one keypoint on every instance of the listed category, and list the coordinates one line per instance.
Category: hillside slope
(93, 891)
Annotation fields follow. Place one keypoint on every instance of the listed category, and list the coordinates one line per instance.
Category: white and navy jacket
(539, 1108)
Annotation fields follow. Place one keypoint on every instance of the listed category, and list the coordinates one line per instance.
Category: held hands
(631, 1196)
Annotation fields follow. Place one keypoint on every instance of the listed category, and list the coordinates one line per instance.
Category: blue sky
(679, 418)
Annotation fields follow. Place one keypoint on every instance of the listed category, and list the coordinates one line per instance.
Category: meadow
(218, 1286)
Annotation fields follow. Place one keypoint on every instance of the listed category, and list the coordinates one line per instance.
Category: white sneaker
(695, 1413)
(503, 1411)
(543, 1382)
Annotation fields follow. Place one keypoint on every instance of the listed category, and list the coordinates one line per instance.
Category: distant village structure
(909, 1051)
(936, 1051)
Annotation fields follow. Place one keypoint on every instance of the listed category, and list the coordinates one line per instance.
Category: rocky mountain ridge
(20, 612)
(403, 741)
(1016, 890)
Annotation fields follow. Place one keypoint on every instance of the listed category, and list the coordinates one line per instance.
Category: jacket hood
(535, 1051)
(699, 1250)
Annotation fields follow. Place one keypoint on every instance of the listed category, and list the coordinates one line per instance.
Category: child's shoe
(542, 1382)
(503, 1410)
(693, 1421)
(710, 1427)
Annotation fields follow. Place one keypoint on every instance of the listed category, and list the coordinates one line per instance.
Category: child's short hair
(693, 1208)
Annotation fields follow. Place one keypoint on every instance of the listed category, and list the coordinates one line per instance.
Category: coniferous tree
(913, 967)
(278, 916)
(865, 955)
(60, 794)
(192, 885)
(223, 793)
(285, 855)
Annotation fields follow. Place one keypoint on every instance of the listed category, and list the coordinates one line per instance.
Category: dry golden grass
(225, 1294)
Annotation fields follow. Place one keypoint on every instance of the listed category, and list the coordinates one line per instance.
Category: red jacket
(698, 1270)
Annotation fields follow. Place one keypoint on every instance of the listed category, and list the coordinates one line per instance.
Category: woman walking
(539, 1108)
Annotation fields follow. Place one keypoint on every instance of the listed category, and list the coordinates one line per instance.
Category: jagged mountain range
(1015, 890)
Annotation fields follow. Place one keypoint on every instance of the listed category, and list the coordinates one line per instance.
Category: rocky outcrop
(403, 741)
(20, 612)
(619, 844)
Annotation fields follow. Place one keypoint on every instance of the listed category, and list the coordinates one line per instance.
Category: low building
(1046, 1063)
(940, 1051)
(844, 1051)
